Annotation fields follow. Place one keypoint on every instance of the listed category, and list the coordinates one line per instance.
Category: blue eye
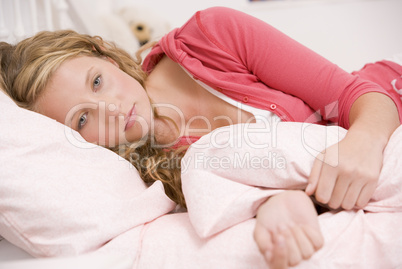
(97, 82)
(82, 121)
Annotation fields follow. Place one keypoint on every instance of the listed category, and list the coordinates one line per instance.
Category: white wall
(178, 11)
(350, 33)
(347, 32)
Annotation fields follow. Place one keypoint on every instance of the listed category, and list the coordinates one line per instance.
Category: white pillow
(61, 195)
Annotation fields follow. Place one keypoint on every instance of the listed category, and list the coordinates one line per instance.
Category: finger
(279, 253)
(305, 245)
(263, 239)
(366, 194)
(351, 196)
(314, 235)
(314, 175)
(294, 254)
(326, 184)
(341, 188)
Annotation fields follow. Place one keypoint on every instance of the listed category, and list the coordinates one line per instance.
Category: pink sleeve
(282, 63)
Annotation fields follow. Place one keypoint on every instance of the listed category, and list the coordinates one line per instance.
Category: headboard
(22, 18)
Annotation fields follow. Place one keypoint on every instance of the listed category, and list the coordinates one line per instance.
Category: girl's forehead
(74, 69)
(65, 90)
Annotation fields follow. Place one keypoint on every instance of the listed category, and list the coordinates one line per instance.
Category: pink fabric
(185, 141)
(60, 195)
(251, 62)
(171, 242)
(57, 199)
(222, 196)
(387, 74)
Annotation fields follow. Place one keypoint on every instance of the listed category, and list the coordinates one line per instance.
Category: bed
(50, 208)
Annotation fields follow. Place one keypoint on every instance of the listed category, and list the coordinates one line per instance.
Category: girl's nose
(108, 111)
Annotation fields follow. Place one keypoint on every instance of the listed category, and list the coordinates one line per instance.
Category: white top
(260, 115)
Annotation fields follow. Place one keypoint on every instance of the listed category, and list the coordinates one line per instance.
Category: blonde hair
(26, 69)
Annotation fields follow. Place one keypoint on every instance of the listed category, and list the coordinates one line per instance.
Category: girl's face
(94, 97)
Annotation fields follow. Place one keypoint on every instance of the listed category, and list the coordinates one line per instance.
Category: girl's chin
(140, 140)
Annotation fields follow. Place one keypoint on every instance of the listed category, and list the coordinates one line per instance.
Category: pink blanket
(227, 174)
(230, 172)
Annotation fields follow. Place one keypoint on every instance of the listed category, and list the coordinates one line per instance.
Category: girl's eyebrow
(88, 77)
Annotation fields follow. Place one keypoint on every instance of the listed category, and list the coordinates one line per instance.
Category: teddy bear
(127, 26)
(145, 24)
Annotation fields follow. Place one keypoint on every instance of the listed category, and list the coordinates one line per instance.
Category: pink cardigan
(252, 62)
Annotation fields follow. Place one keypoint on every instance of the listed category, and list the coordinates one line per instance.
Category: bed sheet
(10, 252)
(167, 242)
(11, 257)
(368, 238)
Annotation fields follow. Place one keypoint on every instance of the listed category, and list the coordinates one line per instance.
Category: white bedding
(222, 204)
(223, 191)
(9, 252)
(12, 257)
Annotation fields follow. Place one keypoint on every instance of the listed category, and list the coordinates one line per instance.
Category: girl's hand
(287, 229)
(346, 174)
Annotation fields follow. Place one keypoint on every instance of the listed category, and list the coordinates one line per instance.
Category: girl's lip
(130, 118)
